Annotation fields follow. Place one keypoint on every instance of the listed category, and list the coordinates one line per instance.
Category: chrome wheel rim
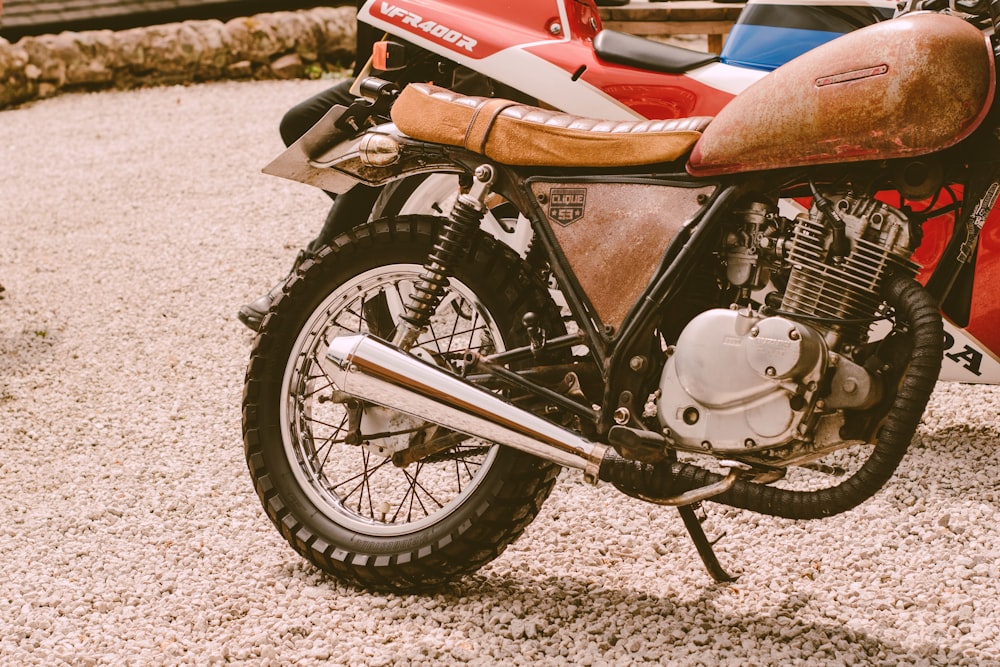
(357, 485)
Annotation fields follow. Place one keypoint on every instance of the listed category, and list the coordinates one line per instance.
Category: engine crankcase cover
(737, 382)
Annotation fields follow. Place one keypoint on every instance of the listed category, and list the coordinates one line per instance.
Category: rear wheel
(405, 506)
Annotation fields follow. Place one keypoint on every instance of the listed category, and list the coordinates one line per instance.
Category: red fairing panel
(652, 95)
(681, 97)
(905, 87)
(969, 357)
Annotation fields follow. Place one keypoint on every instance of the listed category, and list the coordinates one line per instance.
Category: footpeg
(637, 444)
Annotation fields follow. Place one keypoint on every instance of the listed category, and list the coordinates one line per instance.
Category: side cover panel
(613, 235)
(908, 86)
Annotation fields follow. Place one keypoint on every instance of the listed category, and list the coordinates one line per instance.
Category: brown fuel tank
(909, 86)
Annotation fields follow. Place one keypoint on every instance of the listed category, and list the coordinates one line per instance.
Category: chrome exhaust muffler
(373, 371)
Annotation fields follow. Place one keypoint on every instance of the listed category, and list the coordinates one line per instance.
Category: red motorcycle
(412, 395)
(556, 52)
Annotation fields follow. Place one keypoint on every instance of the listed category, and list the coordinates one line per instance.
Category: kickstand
(701, 542)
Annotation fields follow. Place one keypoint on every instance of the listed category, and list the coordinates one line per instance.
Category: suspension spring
(450, 248)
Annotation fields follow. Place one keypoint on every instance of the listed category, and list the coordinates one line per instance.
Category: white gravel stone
(133, 226)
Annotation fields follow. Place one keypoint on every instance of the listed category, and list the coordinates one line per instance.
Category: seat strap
(482, 122)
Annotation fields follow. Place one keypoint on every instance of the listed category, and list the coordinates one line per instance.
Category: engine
(755, 378)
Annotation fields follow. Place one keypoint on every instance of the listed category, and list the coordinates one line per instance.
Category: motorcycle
(576, 66)
(414, 393)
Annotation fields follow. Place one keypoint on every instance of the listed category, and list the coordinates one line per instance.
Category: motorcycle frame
(967, 359)
(611, 349)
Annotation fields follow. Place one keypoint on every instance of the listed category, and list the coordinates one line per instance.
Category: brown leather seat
(521, 135)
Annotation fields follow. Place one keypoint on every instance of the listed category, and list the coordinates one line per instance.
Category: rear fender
(329, 158)
(297, 163)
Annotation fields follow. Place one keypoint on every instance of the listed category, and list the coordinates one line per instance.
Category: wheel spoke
(324, 442)
(319, 422)
(460, 465)
(396, 298)
(361, 477)
(336, 324)
(417, 486)
(328, 444)
(408, 497)
(309, 393)
(367, 487)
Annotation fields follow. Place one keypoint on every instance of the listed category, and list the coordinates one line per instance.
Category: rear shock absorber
(452, 243)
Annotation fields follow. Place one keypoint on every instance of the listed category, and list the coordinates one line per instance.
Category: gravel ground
(133, 226)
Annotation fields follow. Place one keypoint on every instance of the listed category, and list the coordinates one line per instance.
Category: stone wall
(264, 46)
